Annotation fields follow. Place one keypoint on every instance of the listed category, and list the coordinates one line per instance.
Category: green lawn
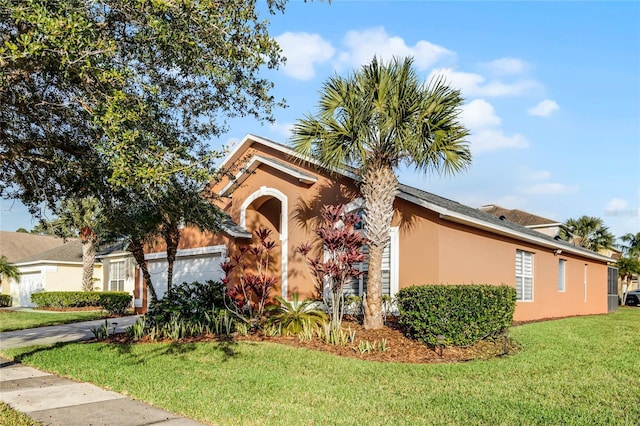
(20, 320)
(11, 417)
(575, 371)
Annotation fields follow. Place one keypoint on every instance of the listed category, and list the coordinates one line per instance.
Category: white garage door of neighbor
(29, 283)
(186, 269)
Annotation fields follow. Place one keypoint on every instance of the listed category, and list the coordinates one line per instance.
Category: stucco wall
(431, 249)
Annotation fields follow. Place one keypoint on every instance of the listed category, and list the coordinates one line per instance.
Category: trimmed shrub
(463, 314)
(188, 301)
(113, 302)
(5, 300)
(65, 299)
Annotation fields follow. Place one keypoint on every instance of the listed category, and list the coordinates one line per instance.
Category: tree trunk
(137, 250)
(89, 242)
(171, 235)
(379, 187)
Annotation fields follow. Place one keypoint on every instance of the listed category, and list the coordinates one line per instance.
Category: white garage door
(29, 283)
(186, 268)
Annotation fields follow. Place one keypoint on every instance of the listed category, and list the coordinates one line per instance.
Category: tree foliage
(379, 117)
(631, 244)
(123, 93)
(588, 232)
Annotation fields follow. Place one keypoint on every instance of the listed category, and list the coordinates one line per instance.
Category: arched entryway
(268, 207)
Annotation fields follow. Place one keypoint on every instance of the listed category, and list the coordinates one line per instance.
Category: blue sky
(552, 95)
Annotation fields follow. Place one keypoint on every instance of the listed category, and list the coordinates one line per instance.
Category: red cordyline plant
(249, 291)
(336, 266)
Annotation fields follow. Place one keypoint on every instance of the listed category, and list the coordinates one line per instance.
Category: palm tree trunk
(88, 259)
(379, 187)
(137, 250)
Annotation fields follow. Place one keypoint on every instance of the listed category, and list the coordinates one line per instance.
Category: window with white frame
(561, 274)
(116, 276)
(359, 286)
(524, 276)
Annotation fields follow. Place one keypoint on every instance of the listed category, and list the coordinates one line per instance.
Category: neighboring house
(57, 269)
(118, 270)
(529, 220)
(433, 240)
(18, 245)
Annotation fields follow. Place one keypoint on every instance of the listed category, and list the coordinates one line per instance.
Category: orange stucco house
(433, 240)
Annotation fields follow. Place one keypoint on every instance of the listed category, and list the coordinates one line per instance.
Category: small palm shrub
(292, 317)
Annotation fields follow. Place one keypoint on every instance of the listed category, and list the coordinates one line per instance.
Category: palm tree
(588, 232)
(8, 270)
(631, 244)
(82, 215)
(376, 119)
(77, 217)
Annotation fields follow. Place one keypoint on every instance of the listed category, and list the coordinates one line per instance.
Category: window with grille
(116, 276)
(524, 276)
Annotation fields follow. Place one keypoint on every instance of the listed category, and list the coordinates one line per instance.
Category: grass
(20, 320)
(573, 371)
(11, 417)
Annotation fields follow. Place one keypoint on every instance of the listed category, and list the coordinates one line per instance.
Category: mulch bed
(399, 348)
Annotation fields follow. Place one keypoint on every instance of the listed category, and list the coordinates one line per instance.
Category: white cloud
(538, 175)
(362, 46)
(475, 85)
(479, 114)
(302, 51)
(505, 66)
(549, 189)
(544, 108)
(282, 129)
(493, 140)
(616, 204)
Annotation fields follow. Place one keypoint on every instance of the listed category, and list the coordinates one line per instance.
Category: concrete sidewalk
(53, 400)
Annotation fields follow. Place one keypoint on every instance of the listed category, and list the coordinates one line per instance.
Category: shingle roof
(518, 216)
(488, 218)
(17, 245)
(71, 251)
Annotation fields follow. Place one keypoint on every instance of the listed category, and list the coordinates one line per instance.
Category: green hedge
(463, 314)
(112, 301)
(5, 300)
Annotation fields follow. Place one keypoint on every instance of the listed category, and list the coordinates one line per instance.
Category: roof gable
(447, 209)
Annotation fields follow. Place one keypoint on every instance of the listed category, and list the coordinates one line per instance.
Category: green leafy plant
(136, 330)
(190, 301)
(5, 300)
(293, 316)
(101, 332)
(463, 314)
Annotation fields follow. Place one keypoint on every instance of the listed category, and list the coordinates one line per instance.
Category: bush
(189, 301)
(116, 303)
(463, 314)
(65, 299)
(113, 302)
(5, 300)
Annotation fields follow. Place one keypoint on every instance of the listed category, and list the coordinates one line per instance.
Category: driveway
(73, 332)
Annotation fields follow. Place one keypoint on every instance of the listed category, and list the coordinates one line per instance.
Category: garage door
(29, 283)
(188, 268)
